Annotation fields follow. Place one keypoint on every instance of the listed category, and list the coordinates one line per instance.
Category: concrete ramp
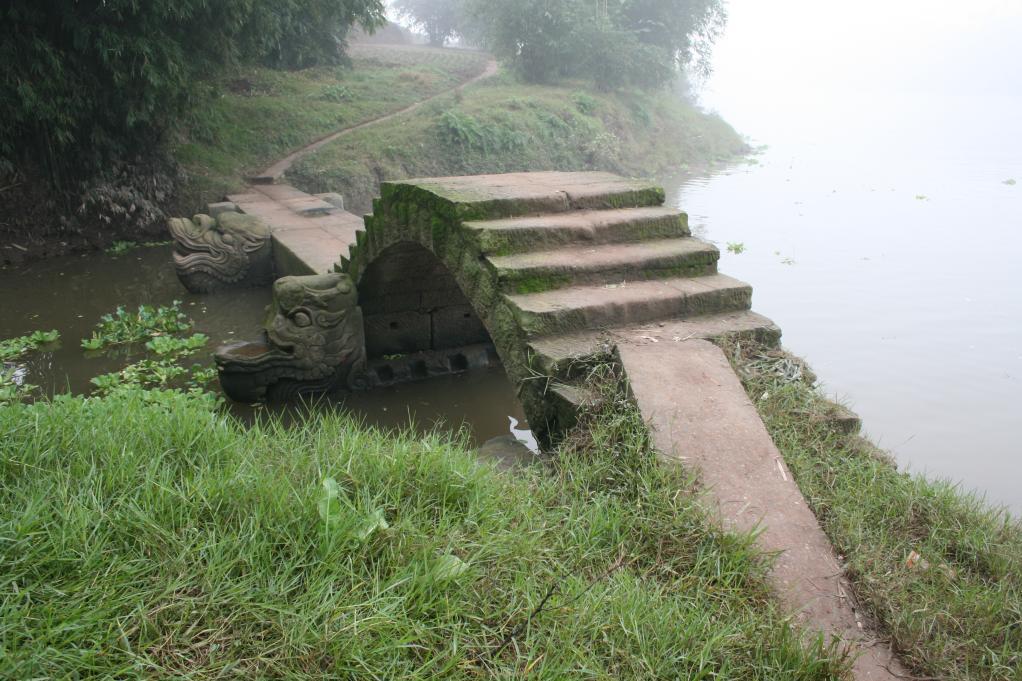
(701, 417)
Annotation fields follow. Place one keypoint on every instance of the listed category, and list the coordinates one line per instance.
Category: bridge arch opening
(418, 321)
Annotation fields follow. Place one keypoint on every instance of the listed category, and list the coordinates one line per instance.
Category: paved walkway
(701, 417)
(310, 233)
(273, 174)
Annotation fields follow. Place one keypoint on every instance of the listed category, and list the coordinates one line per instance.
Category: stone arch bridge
(546, 272)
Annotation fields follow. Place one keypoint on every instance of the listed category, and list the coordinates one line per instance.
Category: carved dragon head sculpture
(232, 249)
(314, 342)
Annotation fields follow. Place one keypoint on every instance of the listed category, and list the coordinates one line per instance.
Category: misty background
(881, 224)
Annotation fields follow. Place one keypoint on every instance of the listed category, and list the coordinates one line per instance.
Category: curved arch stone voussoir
(213, 253)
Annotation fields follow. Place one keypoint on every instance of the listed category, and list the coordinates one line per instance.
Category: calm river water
(881, 227)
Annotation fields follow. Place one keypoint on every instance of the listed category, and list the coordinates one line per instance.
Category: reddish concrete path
(701, 417)
(272, 174)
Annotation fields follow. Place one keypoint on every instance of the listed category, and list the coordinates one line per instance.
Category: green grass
(499, 125)
(502, 125)
(263, 114)
(146, 534)
(953, 609)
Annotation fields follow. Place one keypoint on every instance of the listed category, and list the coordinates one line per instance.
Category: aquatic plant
(123, 327)
(121, 247)
(12, 348)
(172, 345)
(163, 371)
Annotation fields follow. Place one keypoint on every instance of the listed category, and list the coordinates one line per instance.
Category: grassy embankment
(264, 114)
(147, 534)
(503, 125)
(939, 570)
(498, 125)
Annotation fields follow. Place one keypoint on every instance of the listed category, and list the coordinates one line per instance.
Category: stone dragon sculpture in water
(232, 249)
(314, 342)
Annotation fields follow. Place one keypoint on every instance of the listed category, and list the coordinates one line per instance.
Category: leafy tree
(301, 33)
(614, 42)
(440, 19)
(85, 82)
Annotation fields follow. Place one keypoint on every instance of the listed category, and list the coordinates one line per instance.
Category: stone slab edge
(700, 416)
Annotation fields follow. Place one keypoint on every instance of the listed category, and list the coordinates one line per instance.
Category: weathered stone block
(445, 296)
(457, 325)
(391, 303)
(333, 198)
(214, 209)
(395, 333)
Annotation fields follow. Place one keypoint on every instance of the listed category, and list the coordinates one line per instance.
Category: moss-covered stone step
(483, 197)
(578, 308)
(605, 264)
(567, 356)
(542, 232)
(566, 401)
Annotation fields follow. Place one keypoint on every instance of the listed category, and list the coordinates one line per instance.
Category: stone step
(605, 264)
(310, 206)
(567, 401)
(579, 308)
(567, 356)
(543, 232)
(483, 197)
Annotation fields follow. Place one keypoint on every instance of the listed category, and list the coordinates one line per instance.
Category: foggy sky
(782, 46)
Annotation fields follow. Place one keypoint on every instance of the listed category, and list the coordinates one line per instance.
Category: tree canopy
(440, 19)
(613, 42)
(85, 80)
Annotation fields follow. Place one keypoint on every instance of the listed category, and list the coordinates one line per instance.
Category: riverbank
(497, 125)
(214, 549)
(503, 125)
(937, 569)
(266, 114)
(256, 116)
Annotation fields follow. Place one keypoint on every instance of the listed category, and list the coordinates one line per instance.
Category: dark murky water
(70, 294)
